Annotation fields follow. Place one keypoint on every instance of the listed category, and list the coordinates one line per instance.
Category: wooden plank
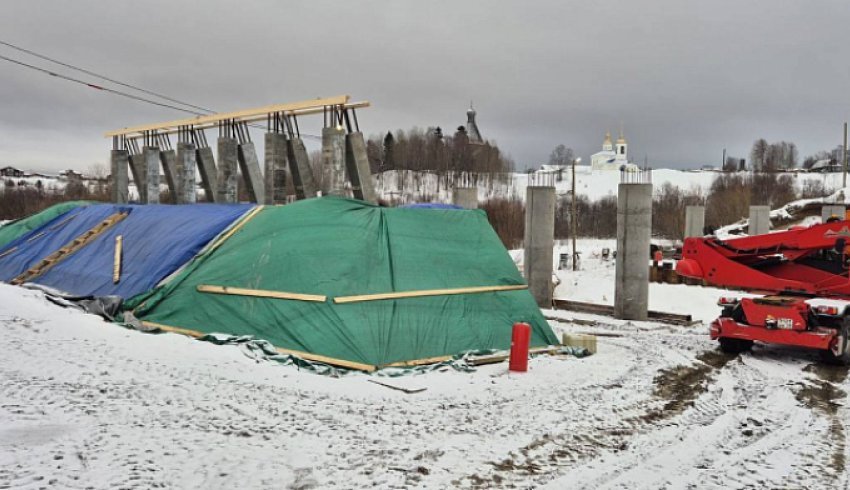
(116, 265)
(303, 107)
(261, 293)
(608, 310)
(68, 249)
(236, 228)
(426, 292)
(304, 355)
(503, 356)
(7, 252)
(419, 362)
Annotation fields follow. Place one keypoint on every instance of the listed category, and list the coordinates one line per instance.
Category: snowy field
(87, 404)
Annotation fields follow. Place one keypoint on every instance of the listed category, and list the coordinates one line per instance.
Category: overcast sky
(685, 78)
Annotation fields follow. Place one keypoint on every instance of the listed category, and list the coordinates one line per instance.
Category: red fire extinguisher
(520, 338)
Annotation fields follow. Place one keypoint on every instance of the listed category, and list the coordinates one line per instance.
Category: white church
(613, 159)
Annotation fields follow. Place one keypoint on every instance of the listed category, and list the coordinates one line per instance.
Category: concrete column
(207, 170)
(168, 158)
(759, 220)
(359, 173)
(829, 210)
(694, 221)
(250, 166)
(539, 242)
(151, 154)
(228, 158)
(185, 170)
(299, 166)
(465, 197)
(634, 226)
(119, 161)
(138, 170)
(275, 168)
(333, 160)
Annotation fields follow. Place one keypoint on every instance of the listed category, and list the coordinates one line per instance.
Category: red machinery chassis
(821, 338)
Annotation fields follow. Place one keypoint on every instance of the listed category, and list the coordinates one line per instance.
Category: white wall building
(613, 157)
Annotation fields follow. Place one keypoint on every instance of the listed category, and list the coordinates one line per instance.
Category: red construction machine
(804, 274)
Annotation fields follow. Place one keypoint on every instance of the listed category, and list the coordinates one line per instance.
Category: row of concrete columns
(342, 154)
(759, 220)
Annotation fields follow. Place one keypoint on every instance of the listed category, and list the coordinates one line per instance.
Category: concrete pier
(299, 166)
(185, 173)
(138, 171)
(275, 164)
(168, 159)
(119, 162)
(333, 160)
(151, 158)
(539, 242)
(250, 166)
(759, 220)
(634, 226)
(208, 173)
(829, 210)
(357, 163)
(465, 197)
(694, 221)
(227, 181)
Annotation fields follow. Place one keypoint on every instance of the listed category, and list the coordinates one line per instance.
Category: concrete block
(759, 220)
(119, 163)
(228, 160)
(634, 227)
(299, 166)
(829, 210)
(359, 172)
(151, 156)
(250, 166)
(208, 173)
(138, 171)
(580, 340)
(694, 221)
(185, 173)
(333, 160)
(465, 197)
(539, 242)
(168, 159)
(276, 160)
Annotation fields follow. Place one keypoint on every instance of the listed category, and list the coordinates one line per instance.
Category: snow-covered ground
(87, 404)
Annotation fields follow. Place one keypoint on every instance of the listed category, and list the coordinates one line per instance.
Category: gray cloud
(685, 78)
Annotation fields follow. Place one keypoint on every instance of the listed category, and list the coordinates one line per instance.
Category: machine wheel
(842, 358)
(734, 346)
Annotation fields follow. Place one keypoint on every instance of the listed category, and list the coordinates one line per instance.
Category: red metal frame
(771, 264)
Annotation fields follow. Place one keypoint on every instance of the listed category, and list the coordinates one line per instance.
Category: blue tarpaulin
(157, 240)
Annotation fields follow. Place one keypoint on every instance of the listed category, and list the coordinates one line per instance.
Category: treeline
(19, 201)
(727, 201)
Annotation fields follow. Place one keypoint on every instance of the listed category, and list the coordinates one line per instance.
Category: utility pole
(844, 158)
(723, 161)
(574, 220)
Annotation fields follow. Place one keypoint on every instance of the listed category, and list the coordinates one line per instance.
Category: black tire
(843, 359)
(734, 346)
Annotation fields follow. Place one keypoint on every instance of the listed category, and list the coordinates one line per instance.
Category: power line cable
(113, 91)
(104, 77)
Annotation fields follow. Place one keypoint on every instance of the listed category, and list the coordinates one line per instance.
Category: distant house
(11, 172)
(826, 165)
(70, 175)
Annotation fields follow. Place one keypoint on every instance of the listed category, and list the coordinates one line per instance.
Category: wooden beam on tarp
(427, 292)
(261, 293)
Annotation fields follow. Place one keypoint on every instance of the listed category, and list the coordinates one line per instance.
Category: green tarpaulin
(11, 231)
(336, 247)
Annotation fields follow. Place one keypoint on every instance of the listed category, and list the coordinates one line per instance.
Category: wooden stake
(116, 266)
(261, 293)
(427, 292)
(304, 355)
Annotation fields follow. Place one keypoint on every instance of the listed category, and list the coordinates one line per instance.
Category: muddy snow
(87, 404)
